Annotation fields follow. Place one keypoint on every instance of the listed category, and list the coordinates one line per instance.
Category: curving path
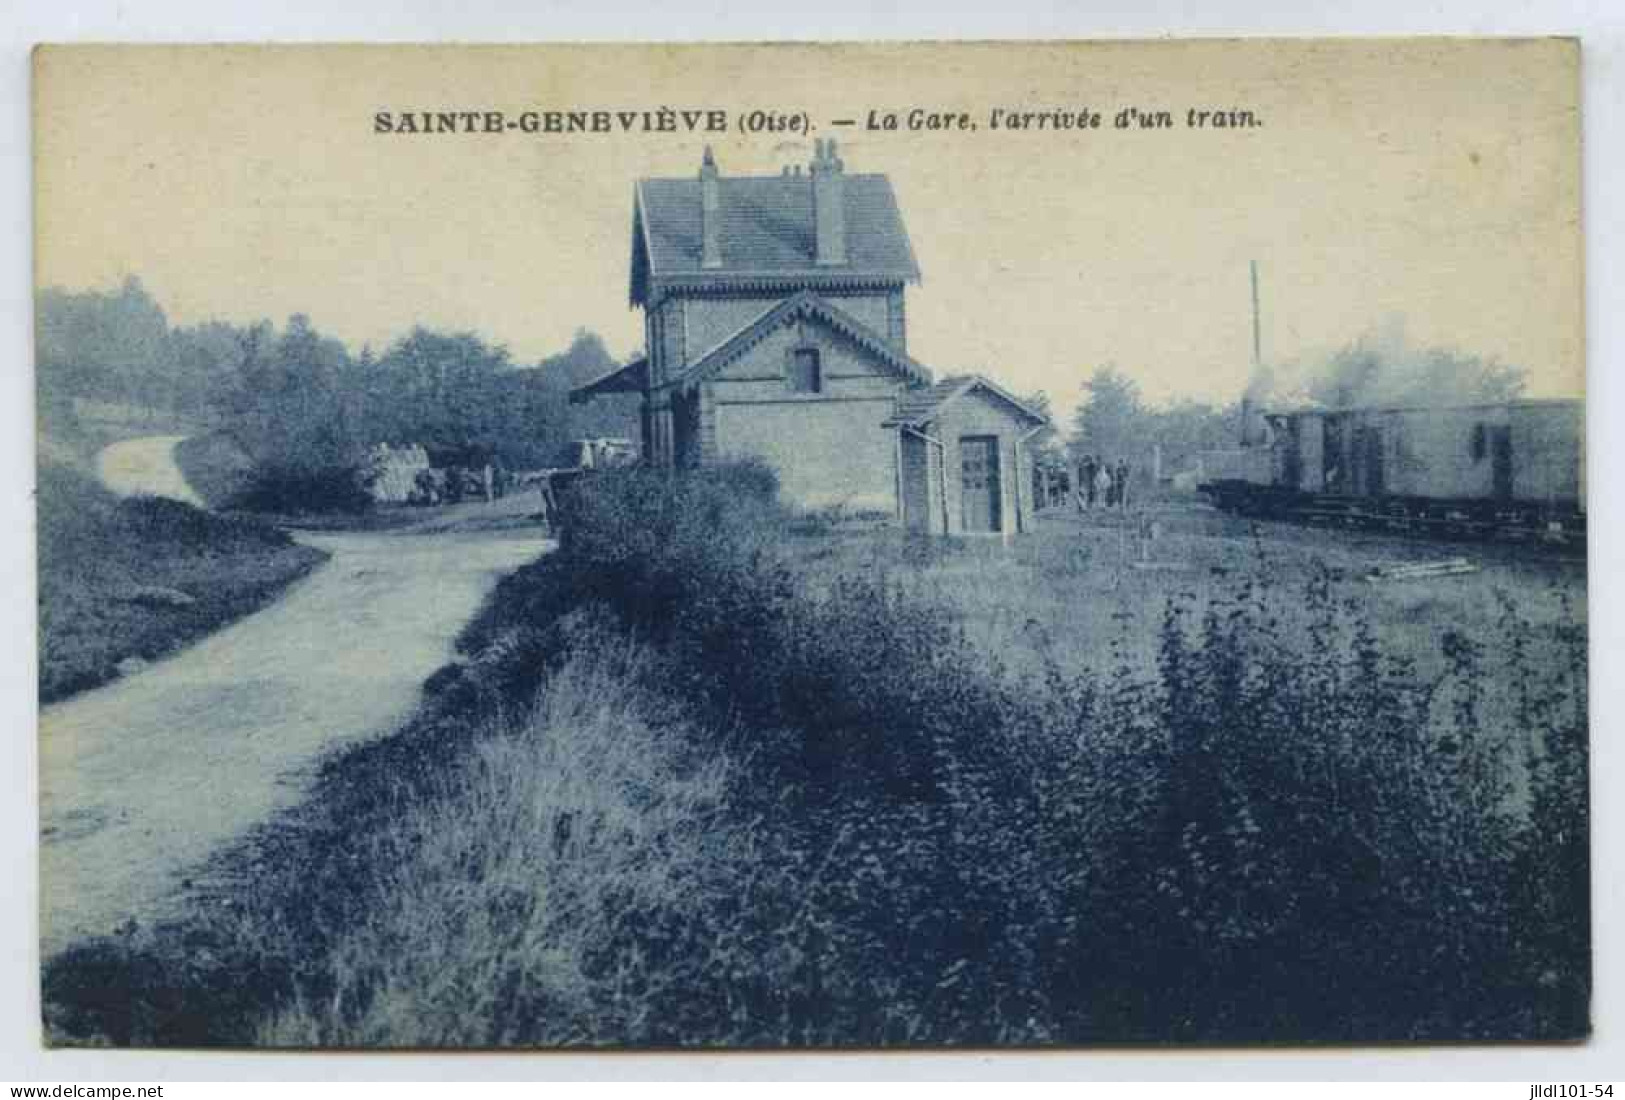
(145, 466)
(142, 779)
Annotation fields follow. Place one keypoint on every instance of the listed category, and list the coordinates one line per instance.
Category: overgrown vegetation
(302, 406)
(679, 791)
(142, 577)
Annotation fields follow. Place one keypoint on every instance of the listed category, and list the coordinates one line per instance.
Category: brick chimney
(710, 212)
(829, 206)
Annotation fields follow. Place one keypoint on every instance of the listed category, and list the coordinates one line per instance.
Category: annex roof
(631, 377)
(917, 408)
(767, 229)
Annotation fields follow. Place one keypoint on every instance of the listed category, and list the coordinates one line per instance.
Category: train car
(1515, 466)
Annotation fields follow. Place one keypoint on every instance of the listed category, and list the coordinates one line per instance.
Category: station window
(806, 371)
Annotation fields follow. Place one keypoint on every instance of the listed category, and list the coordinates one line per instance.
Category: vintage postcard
(839, 545)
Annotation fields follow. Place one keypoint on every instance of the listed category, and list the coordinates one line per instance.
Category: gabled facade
(775, 325)
(964, 464)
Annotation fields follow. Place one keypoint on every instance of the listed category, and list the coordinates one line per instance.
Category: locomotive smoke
(1379, 368)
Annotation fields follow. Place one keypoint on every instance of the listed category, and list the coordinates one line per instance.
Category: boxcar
(1514, 465)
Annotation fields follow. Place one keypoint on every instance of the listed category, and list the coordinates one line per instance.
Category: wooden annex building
(775, 327)
(963, 461)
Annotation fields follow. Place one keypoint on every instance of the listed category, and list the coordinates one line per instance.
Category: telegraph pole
(1258, 364)
(1258, 355)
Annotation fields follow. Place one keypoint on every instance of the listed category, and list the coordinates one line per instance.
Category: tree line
(300, 401)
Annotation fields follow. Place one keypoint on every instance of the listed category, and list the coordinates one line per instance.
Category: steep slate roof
(916, 408)
(803, 304)
(767, 229)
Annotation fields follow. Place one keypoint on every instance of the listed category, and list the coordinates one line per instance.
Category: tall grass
(679, 794)
(519, 898)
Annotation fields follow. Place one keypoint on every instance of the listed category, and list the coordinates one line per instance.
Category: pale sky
(1435, 181)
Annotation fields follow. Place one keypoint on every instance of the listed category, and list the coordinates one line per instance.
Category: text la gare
(919, 118)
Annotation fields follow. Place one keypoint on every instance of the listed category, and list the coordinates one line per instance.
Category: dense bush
(216, 466)
(291, 489)
(753, 810)
(1281, 832)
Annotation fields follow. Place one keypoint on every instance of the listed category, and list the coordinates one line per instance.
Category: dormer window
(806, 371)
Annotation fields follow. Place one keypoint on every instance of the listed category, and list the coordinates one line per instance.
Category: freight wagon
(1515, 467)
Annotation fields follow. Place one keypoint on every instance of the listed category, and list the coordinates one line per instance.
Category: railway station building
(775, 326)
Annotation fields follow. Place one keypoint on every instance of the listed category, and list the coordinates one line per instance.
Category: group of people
(455, 484)
(1102, 483)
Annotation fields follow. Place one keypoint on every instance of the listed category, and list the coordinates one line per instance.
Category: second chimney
(710, 212)
(829, 204)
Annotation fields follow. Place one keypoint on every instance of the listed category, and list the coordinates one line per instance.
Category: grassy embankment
(141, 577)
(712, 775)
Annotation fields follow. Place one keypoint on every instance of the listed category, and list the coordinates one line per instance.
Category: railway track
(1439, 520)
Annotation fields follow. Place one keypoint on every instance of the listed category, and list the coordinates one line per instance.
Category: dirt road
(141, 780)
(145, 465)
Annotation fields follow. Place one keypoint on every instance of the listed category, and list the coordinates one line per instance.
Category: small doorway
(1501, 461)
(1370, 478)
(981, 506)
(1334, 471)
(1292, 454)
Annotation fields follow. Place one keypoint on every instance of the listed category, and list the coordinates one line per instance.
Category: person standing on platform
(1086, 483)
